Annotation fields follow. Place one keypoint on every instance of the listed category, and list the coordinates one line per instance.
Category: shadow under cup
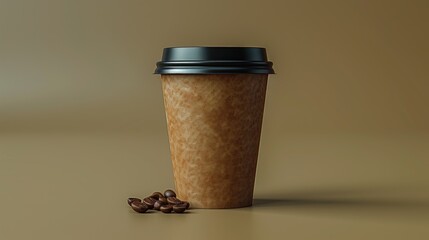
(214, 102)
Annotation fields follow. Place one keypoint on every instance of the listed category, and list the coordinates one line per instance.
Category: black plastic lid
(214, 60)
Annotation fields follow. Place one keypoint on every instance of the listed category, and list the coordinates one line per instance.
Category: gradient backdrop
(345, 141)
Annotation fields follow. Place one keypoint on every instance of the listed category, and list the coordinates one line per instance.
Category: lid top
(214, 60)
(248, 54)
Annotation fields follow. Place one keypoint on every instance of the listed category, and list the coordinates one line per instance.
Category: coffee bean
(149, 202)
(139, 207)
(163, 200)
(131, 199)
(157, 205)
(187, 205)
(180, 208)
(156, 195)
(166, 208)
(173, 200)
(169, 193)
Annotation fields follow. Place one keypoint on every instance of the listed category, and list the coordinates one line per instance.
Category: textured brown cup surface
(214, 126)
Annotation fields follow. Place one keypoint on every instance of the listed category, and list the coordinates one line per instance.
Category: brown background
(344, 151)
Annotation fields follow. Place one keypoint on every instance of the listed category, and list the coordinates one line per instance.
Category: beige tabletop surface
(344, 151)
(76, 186)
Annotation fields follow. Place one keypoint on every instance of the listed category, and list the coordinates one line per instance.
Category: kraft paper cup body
(214, 126)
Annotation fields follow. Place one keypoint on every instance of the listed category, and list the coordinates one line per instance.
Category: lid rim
(214, 70)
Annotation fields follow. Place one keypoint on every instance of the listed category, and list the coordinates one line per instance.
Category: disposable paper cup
(214, 102)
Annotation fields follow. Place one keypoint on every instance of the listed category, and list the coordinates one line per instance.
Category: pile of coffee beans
(166, 203)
